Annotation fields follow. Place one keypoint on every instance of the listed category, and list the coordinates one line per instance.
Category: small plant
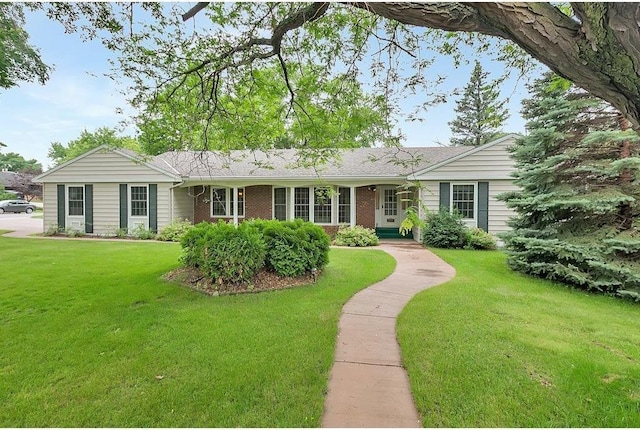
(121, 233)
(444, 229)
(477, 238)
(52, 230)
(72, 232)
(141, 232)
(175, 231)
(355, 236)
(411, 220)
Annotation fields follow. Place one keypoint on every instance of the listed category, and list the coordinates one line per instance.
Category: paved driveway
(22, 225)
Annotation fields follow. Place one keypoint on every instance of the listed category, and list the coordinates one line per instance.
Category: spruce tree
(578, 206)
(480, 115)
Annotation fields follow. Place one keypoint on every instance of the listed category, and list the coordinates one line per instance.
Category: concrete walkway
(368, 386)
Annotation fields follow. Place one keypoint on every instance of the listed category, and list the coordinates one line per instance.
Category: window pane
(219, 201)
(344, 205)
(240, 201)
(138, 201)
(301, 203)
(463, 200)
(390, 202)
(280, 204)
(76, 201)
(322, 205)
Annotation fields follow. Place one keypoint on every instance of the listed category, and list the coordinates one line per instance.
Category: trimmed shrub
(477, 238)
(444, 230)
(224, 253)
(173, 232)
(293, 247)
(192, 244)
(355, 236)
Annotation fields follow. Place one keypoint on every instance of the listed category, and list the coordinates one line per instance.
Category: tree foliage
(60, 153)
(578, 210)
(15, 162)
(336, 111)
(19, 61)
(480, 113)
(592, 44)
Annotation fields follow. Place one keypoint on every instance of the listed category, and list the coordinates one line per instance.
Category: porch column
(291, 203)
(352, 208)
(235, 206)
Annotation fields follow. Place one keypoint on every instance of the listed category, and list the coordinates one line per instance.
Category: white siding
(106, 209)
(164, 205)
(493, 162)
(106, 167)
(50, 202)
(498, 211)
(182, 204)
(106, 206)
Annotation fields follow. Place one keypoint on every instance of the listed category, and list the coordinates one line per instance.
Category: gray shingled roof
(290, 163)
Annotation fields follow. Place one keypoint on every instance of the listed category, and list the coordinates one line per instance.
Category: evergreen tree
(579, 201)
(480, 115)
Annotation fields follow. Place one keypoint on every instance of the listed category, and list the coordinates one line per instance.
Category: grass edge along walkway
(92, 337)
(368, 386)
(495, 348)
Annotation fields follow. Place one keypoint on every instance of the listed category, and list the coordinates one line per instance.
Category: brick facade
(258, 205)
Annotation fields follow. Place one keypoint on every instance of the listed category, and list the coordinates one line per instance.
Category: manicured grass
(90, 336)
(493, 348)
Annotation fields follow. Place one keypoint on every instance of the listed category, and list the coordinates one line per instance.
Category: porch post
(291, 203)
(352, 208)
(235, 206)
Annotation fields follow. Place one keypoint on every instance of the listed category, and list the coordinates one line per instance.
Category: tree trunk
(601, 53)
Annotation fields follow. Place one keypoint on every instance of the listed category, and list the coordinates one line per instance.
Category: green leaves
(19, 61)
(87, 141)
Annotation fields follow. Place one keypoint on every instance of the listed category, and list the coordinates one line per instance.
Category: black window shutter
(483, 206)
(88, 208)
(445, 201)
(124, 209)
(61, 207)
(153, 207)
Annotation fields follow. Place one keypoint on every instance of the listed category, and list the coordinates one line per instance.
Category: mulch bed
(264, 281)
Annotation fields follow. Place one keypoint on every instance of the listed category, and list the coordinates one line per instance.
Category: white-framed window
(139, 200)
(344, 205)
(75, 200)
(280, 202)
(390, 197)
(322, 205)
(463, 199)
(301, 203)
(222, 202)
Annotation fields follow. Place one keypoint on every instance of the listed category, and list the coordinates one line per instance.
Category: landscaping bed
(264, 280)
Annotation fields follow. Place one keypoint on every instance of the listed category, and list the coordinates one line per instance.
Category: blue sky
(78, 96)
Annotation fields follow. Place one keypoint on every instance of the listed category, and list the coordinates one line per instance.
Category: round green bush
(294, 247)
(477, 238)
(175, 231)
(355, 236)
(224, 253)
(444, 230)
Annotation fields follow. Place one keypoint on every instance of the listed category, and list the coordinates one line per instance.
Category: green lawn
(90, 336)
(493, 348)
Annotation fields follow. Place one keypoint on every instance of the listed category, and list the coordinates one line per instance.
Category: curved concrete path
(368, 386)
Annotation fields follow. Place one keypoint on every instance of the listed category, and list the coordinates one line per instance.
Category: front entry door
(390, 213)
